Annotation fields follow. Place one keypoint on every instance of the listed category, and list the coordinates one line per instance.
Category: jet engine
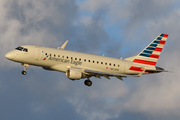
(74, 74)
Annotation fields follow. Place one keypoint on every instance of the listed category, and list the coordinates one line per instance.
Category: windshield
(19, 48)
(22, 49)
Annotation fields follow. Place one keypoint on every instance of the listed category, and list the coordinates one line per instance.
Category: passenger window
(114, 64)
(84, 60)
(118, 65)
(101, 62)
(67, 57)
(75, 58)
(97, 62)
(54, 55)
(110, 64)
(79, 59)
(71, 58)
(50, 54)
(105, 63)
(89, 61)
(93, 61)
(45, 53)
(58, 55)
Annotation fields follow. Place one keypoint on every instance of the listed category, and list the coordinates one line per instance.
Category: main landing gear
(25, 68)
(88, 82)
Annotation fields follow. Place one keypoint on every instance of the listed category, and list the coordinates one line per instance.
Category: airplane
(78, 65)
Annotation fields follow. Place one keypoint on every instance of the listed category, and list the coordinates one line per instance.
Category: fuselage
(61, 60)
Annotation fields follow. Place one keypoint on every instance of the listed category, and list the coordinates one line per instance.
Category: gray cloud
(50, 95)
(36, 22)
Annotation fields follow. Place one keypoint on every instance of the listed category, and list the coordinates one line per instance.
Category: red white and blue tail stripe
(150, 55)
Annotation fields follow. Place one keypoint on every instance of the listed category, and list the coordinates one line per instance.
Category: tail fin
(150, 55)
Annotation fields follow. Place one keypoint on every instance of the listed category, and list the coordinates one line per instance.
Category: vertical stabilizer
(150, 55)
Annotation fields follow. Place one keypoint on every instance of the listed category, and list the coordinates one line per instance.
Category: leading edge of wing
(91, 72)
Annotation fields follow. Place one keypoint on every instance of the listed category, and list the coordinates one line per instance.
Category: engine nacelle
(74, 74)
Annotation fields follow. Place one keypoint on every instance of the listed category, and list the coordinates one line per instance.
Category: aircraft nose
(8, 56)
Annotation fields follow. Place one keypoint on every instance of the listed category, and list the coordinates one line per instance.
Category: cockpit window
(19, 48)
(22, 49)
(25, 50)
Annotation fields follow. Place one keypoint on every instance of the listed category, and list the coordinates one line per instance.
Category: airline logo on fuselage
(63, 60)
(46, 57)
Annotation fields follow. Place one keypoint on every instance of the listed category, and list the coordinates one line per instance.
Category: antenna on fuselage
(64, 45)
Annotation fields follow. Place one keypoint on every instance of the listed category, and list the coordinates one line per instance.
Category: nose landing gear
(25, 68)
(24, 72)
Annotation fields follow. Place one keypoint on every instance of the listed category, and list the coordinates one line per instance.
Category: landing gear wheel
(25, 68)
(24, 72)
(88, 83)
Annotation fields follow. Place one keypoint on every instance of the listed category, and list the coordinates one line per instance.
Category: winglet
(64, 45)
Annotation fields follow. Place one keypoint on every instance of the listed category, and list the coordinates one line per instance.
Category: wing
(105, 74)
(88, 71)
(98, 74)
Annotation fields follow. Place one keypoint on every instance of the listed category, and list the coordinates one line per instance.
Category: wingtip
(64, 45)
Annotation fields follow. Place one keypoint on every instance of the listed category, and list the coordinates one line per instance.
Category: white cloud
(50, 22)
(154, 95)
(116, 9)
(102, 102)
(34, 22)
(158, 96)
(93, 5)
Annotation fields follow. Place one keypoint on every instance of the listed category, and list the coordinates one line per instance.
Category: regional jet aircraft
(79, 65)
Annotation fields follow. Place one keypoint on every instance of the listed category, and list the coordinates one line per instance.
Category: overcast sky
(116, 28)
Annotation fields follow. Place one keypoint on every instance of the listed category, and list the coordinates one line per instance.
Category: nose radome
(8, 55)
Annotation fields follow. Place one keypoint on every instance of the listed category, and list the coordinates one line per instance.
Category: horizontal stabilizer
(160, 70)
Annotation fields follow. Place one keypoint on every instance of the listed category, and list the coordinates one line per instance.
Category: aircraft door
(38, 53)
